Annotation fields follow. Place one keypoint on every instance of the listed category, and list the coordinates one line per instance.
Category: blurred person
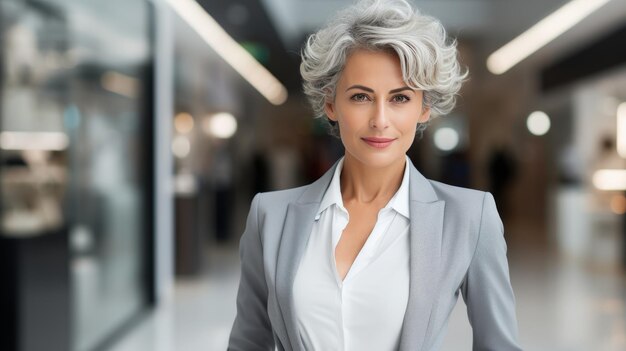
(372, 255)
(456, 169)
(223, 188)
(502, 168)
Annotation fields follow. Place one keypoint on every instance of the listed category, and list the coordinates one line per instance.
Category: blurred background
(134, 134)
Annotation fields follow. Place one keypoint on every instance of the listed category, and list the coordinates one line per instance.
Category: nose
(379, 119)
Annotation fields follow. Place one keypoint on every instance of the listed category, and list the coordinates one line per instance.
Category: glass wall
(76, 136)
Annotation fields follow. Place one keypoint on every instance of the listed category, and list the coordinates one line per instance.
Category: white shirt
(365, 311)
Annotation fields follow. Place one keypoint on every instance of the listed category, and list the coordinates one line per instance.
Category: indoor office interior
(134, 134)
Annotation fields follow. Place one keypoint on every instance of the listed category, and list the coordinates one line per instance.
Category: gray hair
(427, 59)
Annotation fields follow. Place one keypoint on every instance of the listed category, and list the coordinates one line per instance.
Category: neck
(365, 184)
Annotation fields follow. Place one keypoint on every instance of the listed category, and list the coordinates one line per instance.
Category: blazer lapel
(294, 237)
(426, 228)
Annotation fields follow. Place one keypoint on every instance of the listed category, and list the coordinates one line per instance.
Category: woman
(373, 256)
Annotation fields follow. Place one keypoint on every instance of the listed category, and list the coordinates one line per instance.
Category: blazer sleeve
(487, 290)
(252, 329)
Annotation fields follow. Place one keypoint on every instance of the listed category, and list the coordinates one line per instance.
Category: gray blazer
(457, 245)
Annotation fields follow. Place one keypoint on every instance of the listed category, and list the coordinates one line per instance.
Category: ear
(425, 115)
(329, 108)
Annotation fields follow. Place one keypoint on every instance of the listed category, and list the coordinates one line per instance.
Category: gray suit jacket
(457, 246)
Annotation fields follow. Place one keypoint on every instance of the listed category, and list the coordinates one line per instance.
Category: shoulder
(280, 197)
(472, 218)
(271, 206)
(456, 194)
(270, 210)
(470, 204)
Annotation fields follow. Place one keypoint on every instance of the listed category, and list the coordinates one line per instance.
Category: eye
(400, 98)
(359, 97)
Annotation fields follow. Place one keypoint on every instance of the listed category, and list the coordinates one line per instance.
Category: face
(376, 110)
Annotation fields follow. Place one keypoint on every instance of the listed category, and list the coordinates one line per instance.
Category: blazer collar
(426, 225)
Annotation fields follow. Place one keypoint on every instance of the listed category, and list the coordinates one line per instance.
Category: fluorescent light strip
(225, 46)
(621, 129)
(48, 141)
(610, 179)
(541, 34)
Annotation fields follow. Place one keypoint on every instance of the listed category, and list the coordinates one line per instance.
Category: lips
(379, 143)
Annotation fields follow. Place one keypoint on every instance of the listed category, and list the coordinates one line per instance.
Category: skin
(371, 100)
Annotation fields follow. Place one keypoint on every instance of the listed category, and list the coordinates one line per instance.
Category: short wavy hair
(428, 58)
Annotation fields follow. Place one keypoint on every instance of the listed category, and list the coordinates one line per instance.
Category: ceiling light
(222, 125)
(610, 179)
(185, 184)
(538, 123)
(183, 123)
(541, 34)
(225, 46)
(618, 204)
(181, 146)
(446, 139)
(46, 141)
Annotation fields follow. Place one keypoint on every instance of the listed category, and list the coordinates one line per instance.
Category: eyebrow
(392, 91)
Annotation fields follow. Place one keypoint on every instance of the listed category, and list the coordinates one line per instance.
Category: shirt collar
(332, 196)
(399, 201)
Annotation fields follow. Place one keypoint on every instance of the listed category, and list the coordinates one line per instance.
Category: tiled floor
(563, 305)
(200, 315)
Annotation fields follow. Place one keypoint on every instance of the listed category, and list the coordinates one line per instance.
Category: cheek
(409, 124)
(347, 131)
(351, 120)
(410, 137)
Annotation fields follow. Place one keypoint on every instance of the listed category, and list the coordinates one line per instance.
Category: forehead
(380, 68)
